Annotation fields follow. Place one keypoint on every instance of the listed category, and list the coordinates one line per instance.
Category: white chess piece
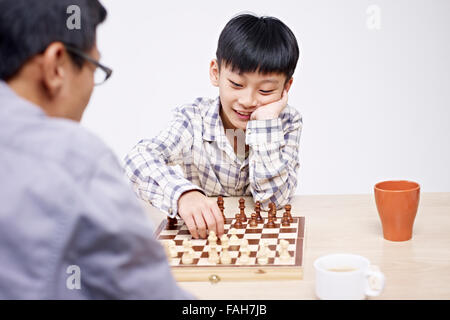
(172, 249)
(225, 257)
(188, 255)
(263, 253)
(212, 239)
(213, 256)
(284, 253)
(234, 240)
(245, 252)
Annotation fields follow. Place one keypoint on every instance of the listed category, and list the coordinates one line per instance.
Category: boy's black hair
(264, 44)
(28, 27)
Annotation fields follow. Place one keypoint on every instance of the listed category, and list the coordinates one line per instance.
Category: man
(70, 226)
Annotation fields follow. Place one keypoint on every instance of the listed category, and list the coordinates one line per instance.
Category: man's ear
(54, 62)
(288, 84)
(214, 72)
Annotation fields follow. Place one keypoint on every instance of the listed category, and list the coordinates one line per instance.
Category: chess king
(253, 70)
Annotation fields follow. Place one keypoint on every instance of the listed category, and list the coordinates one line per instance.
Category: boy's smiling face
(241, 94)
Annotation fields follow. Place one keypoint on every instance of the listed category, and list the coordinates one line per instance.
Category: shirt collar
(213, 128)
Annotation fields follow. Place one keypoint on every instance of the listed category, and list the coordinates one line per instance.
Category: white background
(375, 103)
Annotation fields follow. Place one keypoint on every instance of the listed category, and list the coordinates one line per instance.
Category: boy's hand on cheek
(271, 110)
(200, 214)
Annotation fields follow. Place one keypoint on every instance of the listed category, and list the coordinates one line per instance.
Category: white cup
(347, 276)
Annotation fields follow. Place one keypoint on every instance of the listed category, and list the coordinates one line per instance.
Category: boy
(244, 142)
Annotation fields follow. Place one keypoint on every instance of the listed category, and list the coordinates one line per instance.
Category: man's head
(34, 60)
(255, 60)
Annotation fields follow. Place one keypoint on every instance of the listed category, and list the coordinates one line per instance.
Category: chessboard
(269, 230)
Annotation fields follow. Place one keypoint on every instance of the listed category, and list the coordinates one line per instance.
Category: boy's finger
(210, 220)
(201, 226)
(190, 223)
(219, 219)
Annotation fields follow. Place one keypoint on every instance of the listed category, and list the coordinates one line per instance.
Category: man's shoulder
(59, 143)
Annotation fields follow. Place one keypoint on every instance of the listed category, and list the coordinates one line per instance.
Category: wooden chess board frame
(235, 272)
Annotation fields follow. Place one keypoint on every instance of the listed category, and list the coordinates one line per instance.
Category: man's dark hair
(264, 44)
(28, 27)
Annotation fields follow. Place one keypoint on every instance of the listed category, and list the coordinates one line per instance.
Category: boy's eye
(266, 91)
(235, 84)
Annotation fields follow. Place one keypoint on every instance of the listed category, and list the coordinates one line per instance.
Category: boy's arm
(273, 160)
(148, 165)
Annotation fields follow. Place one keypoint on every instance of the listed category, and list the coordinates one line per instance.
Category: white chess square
(182, 236)
(271, 230)
(169, 232)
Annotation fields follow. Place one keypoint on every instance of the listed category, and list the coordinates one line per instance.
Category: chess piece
(172, 221)
(212, 238)
(242, 210)
(253, 222)
(238, 224)
(213, 256)
(270, 223)
(234, 240)
(273, 210)
(288, 211)
(263, 253)
(285, 220)
(283, 251)
(245, 253)
(172, 248)
(225, 257)
(259, 218)
(220, 203)
(188, 255)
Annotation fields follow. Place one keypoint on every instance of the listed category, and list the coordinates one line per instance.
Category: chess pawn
(253, 222)
(234, 240)
(285, 221)
(212, 238)
(172, 249)
(284, 253)
(238, 224)
(213, 256)
(288, 211)
(245, 253)
(270, 224)
(263, 254)
(225, 257)
(188, 255)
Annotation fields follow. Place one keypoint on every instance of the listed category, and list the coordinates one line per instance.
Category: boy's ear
(214, 72)
(288, 84)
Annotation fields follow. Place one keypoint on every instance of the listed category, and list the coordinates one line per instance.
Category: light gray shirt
(70, 225)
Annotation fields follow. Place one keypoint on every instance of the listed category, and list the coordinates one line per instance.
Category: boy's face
(241, 94)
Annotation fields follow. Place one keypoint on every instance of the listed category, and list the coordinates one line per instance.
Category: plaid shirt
(196, 141)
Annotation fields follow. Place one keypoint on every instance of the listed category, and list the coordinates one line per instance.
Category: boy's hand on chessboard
(270, 110)
(200, 214)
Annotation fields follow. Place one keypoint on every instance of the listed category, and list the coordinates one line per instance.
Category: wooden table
(414, 269)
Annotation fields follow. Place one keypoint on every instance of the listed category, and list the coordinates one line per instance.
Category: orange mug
(397, 202)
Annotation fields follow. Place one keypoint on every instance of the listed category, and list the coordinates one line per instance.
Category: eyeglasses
(101, 74)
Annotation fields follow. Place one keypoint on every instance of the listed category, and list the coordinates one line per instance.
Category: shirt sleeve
(113, 243)
(149, 165)
(273, 159)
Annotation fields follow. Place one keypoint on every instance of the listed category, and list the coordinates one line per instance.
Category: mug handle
(374, 281)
